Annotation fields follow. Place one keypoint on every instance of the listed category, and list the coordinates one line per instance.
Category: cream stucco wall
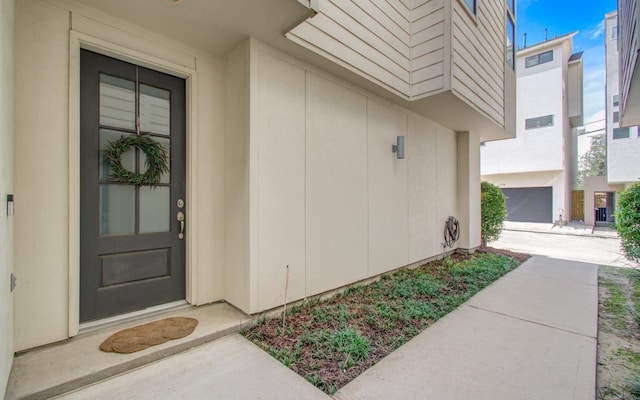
(337, 203)
(47, 42)
(236, 188)
(468, 199)
(41, 174)
(6, 187)
(319, 188)
(286, 165)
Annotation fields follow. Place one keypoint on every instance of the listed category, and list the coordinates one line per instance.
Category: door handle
(180, 218)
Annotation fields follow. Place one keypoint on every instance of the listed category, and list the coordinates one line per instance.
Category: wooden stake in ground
(286, 288)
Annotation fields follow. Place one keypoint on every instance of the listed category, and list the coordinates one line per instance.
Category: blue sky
(564, 16)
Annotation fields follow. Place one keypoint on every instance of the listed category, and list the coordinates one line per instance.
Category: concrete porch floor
(59, 368)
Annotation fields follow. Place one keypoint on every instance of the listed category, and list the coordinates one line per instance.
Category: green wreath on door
(157, 160)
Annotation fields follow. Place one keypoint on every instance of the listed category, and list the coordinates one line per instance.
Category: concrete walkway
(229, 368)
(531, 335)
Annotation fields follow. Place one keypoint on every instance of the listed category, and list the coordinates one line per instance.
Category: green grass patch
(616, 303)
(630, 356)
(351, 344)
(331, 342)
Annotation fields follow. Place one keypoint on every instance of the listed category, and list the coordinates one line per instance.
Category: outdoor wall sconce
(10, 210)
(398, 148)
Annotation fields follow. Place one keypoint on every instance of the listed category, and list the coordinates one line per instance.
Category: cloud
(595, 32)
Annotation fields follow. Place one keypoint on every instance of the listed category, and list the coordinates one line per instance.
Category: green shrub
(628, 221)
(494, 212)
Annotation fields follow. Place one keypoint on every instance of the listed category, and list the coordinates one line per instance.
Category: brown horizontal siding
(320, 41)
(428, 72)
(428, 87)
(473, 98)
(425, 7)
(427, 48)
(363, 41)
(466, 83)
(400, 8)
(385, 15)
(400, 45)
(353, 16)
(464, 56)
(435, 45)
(477, 59)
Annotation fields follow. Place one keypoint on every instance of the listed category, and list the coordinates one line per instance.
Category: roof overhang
(213, 26)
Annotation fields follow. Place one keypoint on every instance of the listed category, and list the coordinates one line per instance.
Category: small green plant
(351, 343)
(493, 212)
(632, 386)
(628, 222)
(402, 289)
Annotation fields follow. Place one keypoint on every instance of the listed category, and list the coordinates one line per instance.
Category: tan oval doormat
(147, 335)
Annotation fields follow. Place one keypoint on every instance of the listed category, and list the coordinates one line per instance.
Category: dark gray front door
(132, 250)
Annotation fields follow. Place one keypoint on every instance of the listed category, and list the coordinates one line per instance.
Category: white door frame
(78, 40)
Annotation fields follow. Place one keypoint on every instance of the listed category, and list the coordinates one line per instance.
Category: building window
(616, 100)
(512, 6)
(471, 4)
(614, 32)
(541, 58)
(621, 133)
(538, 122)
(616, 117)
(511, 38)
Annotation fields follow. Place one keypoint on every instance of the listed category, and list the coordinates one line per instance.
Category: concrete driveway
(601, 250)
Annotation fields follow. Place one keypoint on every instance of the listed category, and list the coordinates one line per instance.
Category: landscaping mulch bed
(333, 341)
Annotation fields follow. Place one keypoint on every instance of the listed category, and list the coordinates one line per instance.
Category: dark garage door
(533, 204)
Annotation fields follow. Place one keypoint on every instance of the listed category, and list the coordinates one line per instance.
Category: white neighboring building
(623, 140)
(536, 168)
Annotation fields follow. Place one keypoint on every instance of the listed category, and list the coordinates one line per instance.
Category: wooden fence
(577, 205)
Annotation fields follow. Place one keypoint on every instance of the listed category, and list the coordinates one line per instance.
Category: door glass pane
(155, 110)
(117, 102)
(166, 143)
(128, 157)
(117, 209)
(154, 209)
